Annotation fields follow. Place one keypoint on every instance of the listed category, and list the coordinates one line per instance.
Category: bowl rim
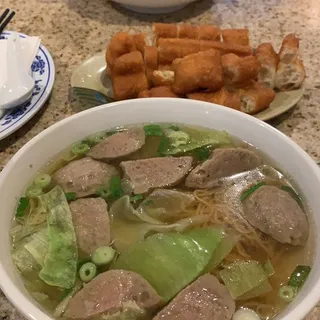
(31, 311)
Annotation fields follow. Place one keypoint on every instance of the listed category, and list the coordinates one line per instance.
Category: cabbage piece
(241, 277)
(170, 254)
(60, 264)
(20, 232)
(261, 289)
(198, 138)
(124, 207)
(129, 226)
(38, 211)
(225, 247)
(30, 253)
(164, 204)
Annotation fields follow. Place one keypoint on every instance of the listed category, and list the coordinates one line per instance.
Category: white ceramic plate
(32, 156)
(91, 75)
(153, 6)
(43, 72)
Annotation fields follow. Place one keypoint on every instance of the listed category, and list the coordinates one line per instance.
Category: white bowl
(30, 158)
(154, 6)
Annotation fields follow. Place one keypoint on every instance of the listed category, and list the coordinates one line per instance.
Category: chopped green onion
(247, 193)
(174, 128)
(34, 192)
(287, 293)
(80, 149)
(22, 206)
(294, 195)
(103, 256)
(136, 198)
(148, 202)
(113, 191)
(299, 276)
(42, 181)
(103, 192)
(88, 271)
(164, 145)
(178, 138)
(202, 153)
(71, 196)
(94, 139)
(153, 130)
(116, 188)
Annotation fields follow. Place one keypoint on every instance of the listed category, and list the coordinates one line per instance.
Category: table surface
(73, 30)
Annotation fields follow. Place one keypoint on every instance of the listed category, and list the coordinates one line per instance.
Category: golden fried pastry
(128, 63)
(186, 31)
(150, 60)
(268, 59)
(239, 71)
(290, 76)
(289, 48)
(171, 49)
(223, 97)
(165, 30)
(236, 36)
(122, 43)
(256, 98)
(128, 76)
(158, 92)
(162, 78)
(209, 32)
(198, 70)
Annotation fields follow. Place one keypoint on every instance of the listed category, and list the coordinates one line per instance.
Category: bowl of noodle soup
(210, 206)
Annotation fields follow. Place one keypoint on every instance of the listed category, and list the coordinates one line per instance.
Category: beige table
(75, 29)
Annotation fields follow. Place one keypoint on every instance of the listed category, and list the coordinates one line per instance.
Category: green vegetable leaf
(153, 130)
(225, 247)
(164, 146)
(254, 188)
(241, 277)
(189, 252)
(135, 199)
(60, 264)
(174, 128)
(113, 191)
(202, 153)
(30, 253)
(199, 138)
(71, 196)
(22, 207)
(299, 276)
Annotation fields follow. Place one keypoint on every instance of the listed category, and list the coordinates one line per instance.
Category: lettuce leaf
(242, 277)
(169, 254)
(199, 138)
(60, 264)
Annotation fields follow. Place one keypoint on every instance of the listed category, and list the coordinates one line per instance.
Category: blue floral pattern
(41, 72)
(38, 65)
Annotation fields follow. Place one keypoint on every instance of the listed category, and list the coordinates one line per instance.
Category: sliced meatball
(112, 292)
(223, 163)
(147, 174)
(204, 299)
(119, 145)
(274, 211)
(91, 222)
(84, 176)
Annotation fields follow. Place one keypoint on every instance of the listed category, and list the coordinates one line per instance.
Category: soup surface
(162, 221)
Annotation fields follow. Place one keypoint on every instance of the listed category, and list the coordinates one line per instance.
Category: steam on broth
(157, 221)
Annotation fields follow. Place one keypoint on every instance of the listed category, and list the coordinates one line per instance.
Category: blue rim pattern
(29, 105)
